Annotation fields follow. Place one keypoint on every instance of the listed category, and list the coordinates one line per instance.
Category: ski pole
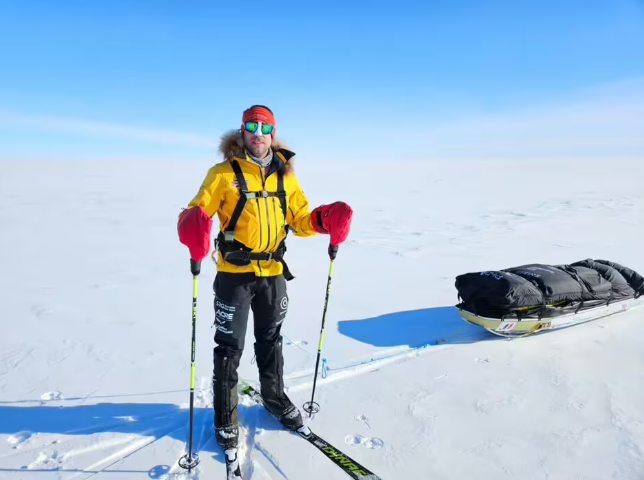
(312, 406)
(191, 460)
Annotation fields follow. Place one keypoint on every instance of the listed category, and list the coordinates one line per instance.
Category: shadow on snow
(415, 328)
(154, 420)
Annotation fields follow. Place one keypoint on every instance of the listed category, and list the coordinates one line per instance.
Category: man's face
(257, 143)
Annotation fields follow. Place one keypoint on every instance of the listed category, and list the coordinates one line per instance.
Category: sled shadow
(415, 328)
(148, 420)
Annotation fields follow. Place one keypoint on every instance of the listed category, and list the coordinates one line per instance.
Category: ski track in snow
(360, 367)
(404, 233)
(48, 458)
(11, 360)
(121, 455)
(271, 459)
(131, 446)
(21, 440)
(52, 460)
(248, 433)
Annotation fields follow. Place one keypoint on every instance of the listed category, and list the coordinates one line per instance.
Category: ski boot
(227, 437)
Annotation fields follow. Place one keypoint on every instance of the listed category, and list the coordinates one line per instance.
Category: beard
(259, 150)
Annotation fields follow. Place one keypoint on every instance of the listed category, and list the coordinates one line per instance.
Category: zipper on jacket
(259, 216)
(276, 224)
(268, 216)
(268, 219)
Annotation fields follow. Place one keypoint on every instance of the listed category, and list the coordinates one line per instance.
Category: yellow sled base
(516, 326)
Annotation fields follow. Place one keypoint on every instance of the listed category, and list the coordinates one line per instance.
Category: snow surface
(95, 308)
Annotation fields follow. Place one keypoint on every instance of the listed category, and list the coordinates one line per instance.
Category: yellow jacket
(261, 224)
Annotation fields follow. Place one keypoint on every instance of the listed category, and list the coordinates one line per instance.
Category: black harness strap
(282, 194)
(245, 195)
(237, 253)
(229, 233)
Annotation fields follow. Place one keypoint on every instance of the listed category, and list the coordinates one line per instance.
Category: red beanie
(259, 113)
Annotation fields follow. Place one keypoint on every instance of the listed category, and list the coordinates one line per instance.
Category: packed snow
(96, 298)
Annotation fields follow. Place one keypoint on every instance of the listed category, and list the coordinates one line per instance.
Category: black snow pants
(235, 295)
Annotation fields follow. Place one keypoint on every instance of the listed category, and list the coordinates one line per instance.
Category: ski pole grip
(195, 267)
(333, 251)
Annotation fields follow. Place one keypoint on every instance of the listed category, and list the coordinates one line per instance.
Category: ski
(347, 464)
(233, 469)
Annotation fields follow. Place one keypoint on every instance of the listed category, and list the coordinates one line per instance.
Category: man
(257, 199)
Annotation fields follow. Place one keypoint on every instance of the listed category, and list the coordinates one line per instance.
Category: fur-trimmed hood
(231, 145)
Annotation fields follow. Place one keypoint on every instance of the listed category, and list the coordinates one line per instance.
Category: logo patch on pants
(283, 308)
(224, 314)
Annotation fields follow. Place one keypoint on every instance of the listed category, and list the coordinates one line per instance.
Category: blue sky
(466, 78)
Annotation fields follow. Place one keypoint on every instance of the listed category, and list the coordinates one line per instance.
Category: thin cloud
(93, 128)
(601, 120)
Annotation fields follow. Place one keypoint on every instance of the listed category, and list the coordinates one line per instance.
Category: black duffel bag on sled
(537, 294)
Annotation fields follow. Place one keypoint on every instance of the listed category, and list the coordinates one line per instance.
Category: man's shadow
(154, 420)
(22, 419)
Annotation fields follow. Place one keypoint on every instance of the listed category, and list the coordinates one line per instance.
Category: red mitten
(334, 219)
(194, 228)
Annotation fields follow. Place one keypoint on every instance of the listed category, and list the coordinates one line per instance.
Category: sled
(520, 301)
(513, 326)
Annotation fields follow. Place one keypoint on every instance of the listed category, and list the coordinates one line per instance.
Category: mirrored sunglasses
(252, 127)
